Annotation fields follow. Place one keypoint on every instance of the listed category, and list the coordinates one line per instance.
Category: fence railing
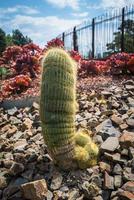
(103, 35)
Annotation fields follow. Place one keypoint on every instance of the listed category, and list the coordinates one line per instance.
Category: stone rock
(90, 190)
(130, 87)
(16, 168)
(114, 195)
(28, 174)
(32, 157)
(125, 116)
(98, 139)
(129, 82)
(74, 194)
(127, 139)
(7, 163)
(90, 171)
(60, 195)
(108, 181)
(107, 112)
(15, 120)
(116, 158)
(20, 116)
(104, 167)
(117, 169)
(49, 195)
(9, 191)
(106, 129)
(36, 138)
(123, 126)
(8, 156)
(35, 106)
(117, 181)
(93, 122)
(47, 158)
(123, 110)
(27, 124)
(18, 135)
(130, 102)
(106, 194)
(106, 93)
(110, 144)
(12, 111)
(16, 196)
(104, 125)
(19, 158)
(56, 180)
(131, 164)
(130, 122)
(3, 182)
(127, 174)
(13, 187)
(28, 133)
(115, 104)
(36, 190)
(96, 180)
(11, 131)
(128, 186)
(5, 128)
(20, 145)
(98, 198)
(125, 195)
(83, 123)
(115, 198)
(116, 119)
(64, 189)
(124, 152)
(131, 152)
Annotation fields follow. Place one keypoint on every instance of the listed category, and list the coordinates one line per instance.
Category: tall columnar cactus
(57, 110)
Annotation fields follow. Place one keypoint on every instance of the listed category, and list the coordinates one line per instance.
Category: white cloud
(84, 14)
(107, 4)
(115, 3)
(40, 29)
(19, 9)
(74, 4)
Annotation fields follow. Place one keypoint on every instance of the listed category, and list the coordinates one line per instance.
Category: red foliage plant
(11, 53)
(75, 55)
(16, 85)
(54, 43)
(92, 67)
(118, 62)
(23, 59)
(130, 64)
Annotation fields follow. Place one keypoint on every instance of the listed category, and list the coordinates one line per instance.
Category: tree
(115, 45)
(19, 39)
(2, 41)
(9, 40)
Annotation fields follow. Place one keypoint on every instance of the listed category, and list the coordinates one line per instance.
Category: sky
(43, 20)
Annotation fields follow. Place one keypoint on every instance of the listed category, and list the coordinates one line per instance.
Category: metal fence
(103, 35)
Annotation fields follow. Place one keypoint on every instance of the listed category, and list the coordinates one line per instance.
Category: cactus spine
(57, 111)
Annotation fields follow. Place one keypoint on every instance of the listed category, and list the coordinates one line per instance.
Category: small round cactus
(57, 111)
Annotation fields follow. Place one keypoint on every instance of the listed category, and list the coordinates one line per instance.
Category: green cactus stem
(57, 111)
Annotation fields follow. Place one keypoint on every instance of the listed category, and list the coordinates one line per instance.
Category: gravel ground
(106, 111)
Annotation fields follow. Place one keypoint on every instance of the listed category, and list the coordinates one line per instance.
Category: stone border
(19, 103)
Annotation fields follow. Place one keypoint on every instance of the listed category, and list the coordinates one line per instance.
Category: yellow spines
(86, 151)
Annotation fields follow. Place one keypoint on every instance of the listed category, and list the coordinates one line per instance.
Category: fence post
(63, 38)
(93, 32)
(122, 29)
(75, 45)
